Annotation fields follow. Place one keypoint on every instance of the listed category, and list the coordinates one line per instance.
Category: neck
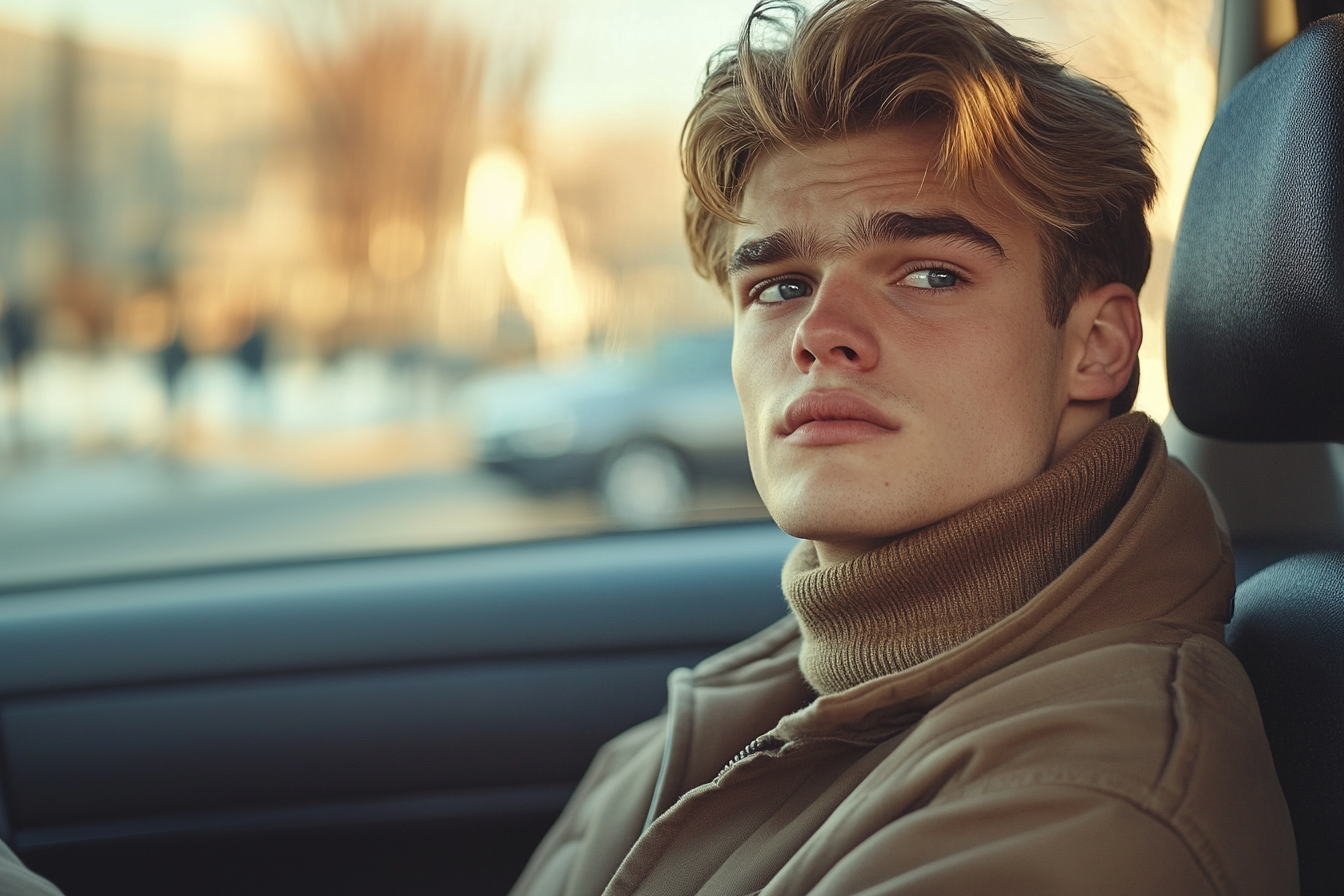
(872, 613)
(1079, 419)
(831, 553)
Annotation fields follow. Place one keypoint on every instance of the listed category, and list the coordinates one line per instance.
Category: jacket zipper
(759, 745)
(774, 742)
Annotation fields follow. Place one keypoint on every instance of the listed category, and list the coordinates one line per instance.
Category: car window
(299, 279)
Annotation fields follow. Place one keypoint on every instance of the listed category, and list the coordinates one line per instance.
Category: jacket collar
(1164, 560)
(927, 590)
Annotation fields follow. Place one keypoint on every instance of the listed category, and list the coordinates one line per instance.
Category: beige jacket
(16, 880)
(1099, 740)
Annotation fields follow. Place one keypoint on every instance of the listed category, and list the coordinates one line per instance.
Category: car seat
(1255, 353)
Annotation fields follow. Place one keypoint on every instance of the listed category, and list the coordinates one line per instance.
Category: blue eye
(932, 278)
(784, 290)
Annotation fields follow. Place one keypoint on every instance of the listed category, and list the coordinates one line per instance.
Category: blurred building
(380, 186)
(98, 176)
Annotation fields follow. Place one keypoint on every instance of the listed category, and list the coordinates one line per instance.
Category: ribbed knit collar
(931, 589)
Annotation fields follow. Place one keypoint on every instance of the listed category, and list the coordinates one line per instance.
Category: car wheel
(645, 485)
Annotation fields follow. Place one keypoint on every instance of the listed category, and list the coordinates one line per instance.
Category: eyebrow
(880, 227)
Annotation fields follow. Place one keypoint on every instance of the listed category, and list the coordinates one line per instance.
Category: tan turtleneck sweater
(931, 589)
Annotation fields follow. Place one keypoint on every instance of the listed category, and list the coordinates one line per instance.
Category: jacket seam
(1189, 663)
(976, 724)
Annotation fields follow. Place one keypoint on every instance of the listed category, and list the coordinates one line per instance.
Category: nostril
(848, 352)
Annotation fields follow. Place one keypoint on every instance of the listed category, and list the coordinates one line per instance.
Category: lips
(840, 415)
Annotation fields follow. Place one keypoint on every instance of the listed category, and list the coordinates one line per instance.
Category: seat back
(1255, 350)
(1288, 631)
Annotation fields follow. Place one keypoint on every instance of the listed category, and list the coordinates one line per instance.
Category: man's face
(892, 351)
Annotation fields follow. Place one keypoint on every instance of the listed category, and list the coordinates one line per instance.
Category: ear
(1103, 334)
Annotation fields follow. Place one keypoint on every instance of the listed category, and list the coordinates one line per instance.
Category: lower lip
(835, 432)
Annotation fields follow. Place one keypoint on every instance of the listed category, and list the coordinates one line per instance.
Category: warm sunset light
(539, 264)
(496, 191)
(318, 299)
(396, 249)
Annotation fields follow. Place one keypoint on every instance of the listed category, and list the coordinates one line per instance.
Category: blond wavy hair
(1066, 150)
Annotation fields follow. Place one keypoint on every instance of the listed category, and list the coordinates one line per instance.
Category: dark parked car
(641, 430)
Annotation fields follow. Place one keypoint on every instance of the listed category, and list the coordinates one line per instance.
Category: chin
(840, 517)
(842, 532)
(838, 497)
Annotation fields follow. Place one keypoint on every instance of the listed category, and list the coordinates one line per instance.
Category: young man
(1004, 669)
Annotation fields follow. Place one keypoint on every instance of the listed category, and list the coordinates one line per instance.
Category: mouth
(832, 418)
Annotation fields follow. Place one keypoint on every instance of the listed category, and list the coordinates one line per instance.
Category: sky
(608, 59)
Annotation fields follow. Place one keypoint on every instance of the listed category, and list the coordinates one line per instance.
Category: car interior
(412, 722)
(1257, 357)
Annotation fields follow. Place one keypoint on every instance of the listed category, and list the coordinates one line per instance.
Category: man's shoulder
(1110, 710)
(1151, 717)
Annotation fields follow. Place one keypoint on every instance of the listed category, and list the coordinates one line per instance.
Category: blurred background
(287, 278)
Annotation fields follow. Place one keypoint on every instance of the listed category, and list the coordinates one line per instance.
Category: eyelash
(754, 293)
(904, 271)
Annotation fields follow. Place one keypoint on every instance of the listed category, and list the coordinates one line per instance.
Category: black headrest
(1255, 310)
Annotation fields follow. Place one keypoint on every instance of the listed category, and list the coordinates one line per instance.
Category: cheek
(1016, 405)
(752, 367)
(992, 378)
(752, 397)
(745, 380)
(952, 361)
(739, 365)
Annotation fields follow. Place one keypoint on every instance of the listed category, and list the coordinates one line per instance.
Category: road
(80, 517)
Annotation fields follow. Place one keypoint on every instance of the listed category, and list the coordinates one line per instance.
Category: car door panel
(460, 688)
(298, 739)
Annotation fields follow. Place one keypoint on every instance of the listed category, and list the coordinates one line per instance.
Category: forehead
(825, 186)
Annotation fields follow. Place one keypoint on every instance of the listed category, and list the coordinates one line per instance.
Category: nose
(836, 332)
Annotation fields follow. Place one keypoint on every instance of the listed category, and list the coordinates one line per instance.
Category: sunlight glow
(538, 261)
(496, 190)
